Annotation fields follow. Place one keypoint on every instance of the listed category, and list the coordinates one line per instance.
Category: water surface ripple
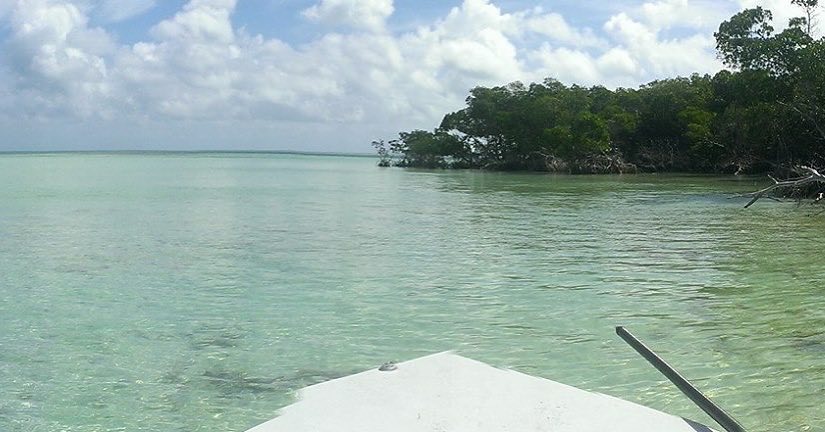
(198, 292)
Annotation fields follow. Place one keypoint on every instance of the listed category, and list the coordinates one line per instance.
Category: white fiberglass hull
(449, 393)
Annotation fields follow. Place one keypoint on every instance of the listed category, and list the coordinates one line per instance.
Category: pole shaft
(702, 401)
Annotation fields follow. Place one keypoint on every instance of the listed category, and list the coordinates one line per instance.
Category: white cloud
(635, 48)
(120, 10)
(619, 62)
(58, 60)
(554, 26)
(473, 42)
(359, 14)
(698, 14)
(662, 57)
(565, 63)
(199, 21)
(191, 68)
(198, 66)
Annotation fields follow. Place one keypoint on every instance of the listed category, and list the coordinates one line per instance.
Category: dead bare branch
(814, 176)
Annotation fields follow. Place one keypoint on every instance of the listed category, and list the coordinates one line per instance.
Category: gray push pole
(702, 401)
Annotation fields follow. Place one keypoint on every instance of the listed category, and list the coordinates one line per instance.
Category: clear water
(198, 292)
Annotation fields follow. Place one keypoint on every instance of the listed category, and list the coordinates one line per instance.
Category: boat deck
(446, 392)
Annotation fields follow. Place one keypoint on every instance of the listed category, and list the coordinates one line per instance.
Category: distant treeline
(766, 113)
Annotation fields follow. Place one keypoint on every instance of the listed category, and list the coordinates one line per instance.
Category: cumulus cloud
(198, 65)
(473, 42)
(662, 57)
(199, 21)
(57, 59)
(697, 14)
(555, 27)
(359, 14)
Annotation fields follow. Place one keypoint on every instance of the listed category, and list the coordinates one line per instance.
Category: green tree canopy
(765, 112)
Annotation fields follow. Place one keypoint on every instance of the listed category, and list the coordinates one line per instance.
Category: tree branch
(813, 176)
(808, 116)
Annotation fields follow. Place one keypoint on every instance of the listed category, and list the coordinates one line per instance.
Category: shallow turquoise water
(197, 292)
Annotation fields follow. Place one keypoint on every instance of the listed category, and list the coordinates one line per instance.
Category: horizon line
(199, 151)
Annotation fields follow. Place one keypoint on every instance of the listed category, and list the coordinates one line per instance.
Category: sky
(315, 75)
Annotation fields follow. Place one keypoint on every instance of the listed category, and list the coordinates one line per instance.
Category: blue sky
(316, 75)
(282, 18)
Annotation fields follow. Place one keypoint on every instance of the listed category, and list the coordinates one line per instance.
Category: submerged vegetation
(766, 113)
